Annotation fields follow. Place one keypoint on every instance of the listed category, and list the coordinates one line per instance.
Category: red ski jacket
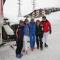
(46, 25)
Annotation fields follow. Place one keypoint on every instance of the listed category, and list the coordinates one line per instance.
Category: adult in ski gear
(39, 35)
(46, 28)
(26, 35)
(32, 31)
(19, 41)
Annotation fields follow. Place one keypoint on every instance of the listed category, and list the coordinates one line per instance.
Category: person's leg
(18, 50)
(41, 43)
(45, 36)
(20, 45)
(27, 44)
(24, 43)
(17, 47)
(37, 42)
(25, 40)
(31, 40)
(34, 40)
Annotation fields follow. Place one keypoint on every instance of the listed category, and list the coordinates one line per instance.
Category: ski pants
(19, 43)
(32, 40)
(39, 41)
(45, 37)
(25, 39)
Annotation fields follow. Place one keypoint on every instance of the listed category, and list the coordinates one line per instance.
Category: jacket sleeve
(49, 27)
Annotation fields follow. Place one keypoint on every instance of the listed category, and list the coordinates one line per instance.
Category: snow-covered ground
(50, 53)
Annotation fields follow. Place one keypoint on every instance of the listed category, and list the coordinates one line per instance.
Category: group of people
(33, 31)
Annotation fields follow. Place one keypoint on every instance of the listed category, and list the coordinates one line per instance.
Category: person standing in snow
(32, 31)
(26, 35)
(46, 28)
(39, 35)
(19, 41)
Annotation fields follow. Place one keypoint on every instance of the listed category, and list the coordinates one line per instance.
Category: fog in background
(11, 7)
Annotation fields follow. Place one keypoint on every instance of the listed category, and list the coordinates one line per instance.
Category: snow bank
(8, 30)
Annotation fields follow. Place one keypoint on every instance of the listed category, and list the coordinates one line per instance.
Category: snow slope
(50, 53)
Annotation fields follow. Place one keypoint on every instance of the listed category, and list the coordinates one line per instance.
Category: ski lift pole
(33, 5)
(19, 8)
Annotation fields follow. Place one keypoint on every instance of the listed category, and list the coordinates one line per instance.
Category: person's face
(44, 19)
(26, 21)
(21, 23)
(38, 23)
(32, 20)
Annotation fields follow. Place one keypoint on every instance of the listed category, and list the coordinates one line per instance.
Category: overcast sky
(11, 6)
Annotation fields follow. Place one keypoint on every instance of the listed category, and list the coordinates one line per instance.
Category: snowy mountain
(40, 12)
